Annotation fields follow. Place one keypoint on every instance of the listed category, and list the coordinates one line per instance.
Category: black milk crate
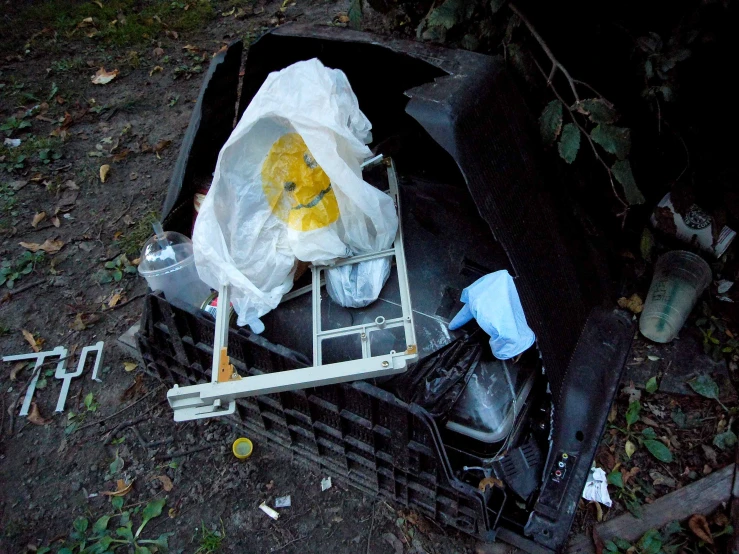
(358, 432)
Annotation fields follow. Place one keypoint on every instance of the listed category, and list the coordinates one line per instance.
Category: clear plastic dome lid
(164, 251)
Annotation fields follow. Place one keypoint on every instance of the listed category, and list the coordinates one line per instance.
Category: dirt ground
(54, 468)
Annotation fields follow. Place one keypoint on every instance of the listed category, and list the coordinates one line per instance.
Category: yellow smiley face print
(297, 189)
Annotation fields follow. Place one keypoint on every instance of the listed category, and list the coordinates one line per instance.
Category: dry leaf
(158, 52)
(120, 156)
(343, 18)
(630, 448)
(166, 482)
(161, 145)
(135, 390)
(190, 47)
(104, 170)
(55, 221)
(130, 366)
(122, 489)
(31, 340)
(627, 475)
(613, 414)
(85, 22)
(634, 303)
(489, 482)
(699, 526)
(155, 69)
(78, 324)
(34, 416)
(49, 246)
(114, 299)
(17, 368)
(38, 218)
(103, 77)
(172, 513)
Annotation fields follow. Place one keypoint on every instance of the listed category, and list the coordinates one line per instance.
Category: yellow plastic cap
(242, 448)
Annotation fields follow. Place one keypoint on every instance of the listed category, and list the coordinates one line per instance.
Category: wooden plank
(701, 497)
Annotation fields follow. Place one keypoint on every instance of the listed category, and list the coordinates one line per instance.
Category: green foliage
(210, 539)
(355, 14)
(616, 479)
(725, 440)
(115, 270)
(12, 271)
(705, 386)
(614, 140)
(132, 243)
(622, 172)
(652, 385)
(658, 450)
(569, 143)
(597, 110)
(450, 13)
(13, 124)
(550, 121)
(101, 539)
(632, 413)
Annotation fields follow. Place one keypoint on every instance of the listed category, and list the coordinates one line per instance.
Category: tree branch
(544, 46)
(624, 204)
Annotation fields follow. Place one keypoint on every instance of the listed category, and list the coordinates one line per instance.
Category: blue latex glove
(494, 303)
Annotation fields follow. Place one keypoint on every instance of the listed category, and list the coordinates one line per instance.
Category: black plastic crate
(357, 431)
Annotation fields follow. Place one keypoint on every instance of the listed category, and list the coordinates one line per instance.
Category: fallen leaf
(627, 475)
(122, 489)
(699, 526)
(55, 221)
(634, 303)
(155, 69)
(172, 513)
(135, 390)
(49, 246)
(166, 482)
(490, 482)
(158, 52)
(38, 218)
(78, 324)
(130, 366)
(34, 416)
(632, 391)
(613, 413)
(630, 448)
(720, 519)
(103, 77)
(114, 299)
(161, 145)
(17, 368)
(31, 340)
(190, 47)
(120, 156)
(104, 170)
(86, 22)
(662, 479)
(343, 18)
(68, 199)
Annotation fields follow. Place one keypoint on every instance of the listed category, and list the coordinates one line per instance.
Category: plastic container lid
(242, 448)
(165, 252)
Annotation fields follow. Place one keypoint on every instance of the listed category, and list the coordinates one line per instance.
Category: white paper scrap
(723, 286)
(325, 484)
(283, 501)
(269, 511)
(596, 487)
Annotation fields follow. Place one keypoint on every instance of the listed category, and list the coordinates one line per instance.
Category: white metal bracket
(39, 357)
(218, 397)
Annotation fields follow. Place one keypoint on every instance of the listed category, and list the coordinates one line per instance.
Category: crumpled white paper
(596, 487)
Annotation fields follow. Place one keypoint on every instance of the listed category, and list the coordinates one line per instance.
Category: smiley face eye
(290, 186)
(309, 161)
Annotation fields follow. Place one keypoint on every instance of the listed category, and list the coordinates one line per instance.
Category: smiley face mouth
(316, 199)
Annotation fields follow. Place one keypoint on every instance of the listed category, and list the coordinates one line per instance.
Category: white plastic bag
(288, 187)
(357, 285)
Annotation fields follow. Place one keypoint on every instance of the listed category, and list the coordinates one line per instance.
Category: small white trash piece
(269, 511)
(325, 484)
(596, 487)
(283, 501)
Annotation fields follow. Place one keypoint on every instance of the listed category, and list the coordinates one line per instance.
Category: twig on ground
(140, 438)
(109, 436)
(14, 292)
(106, 310)
(99, 421)
(372, 525)
(183, 452)
(288, 543)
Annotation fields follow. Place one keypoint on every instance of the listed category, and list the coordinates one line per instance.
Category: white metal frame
(218, 398)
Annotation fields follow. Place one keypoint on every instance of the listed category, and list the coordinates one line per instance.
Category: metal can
(210, 305)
